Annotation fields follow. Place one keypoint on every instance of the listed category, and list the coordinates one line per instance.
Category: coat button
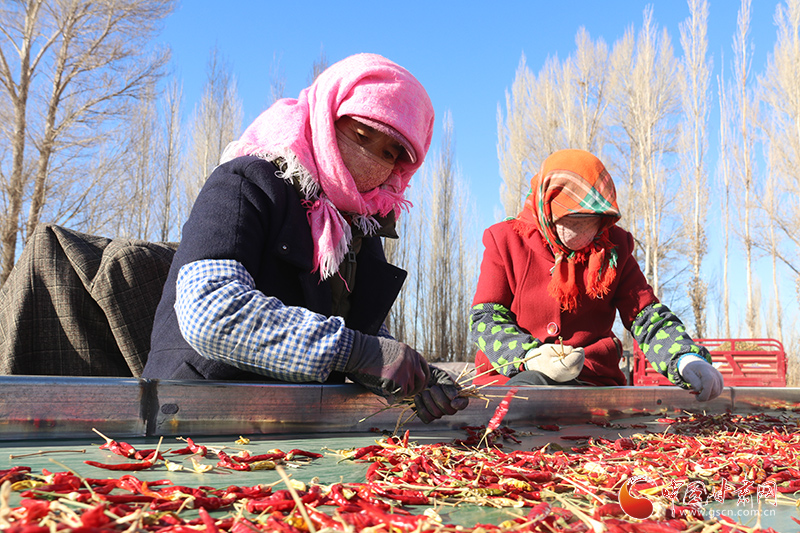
(283, 248)
(552, 328)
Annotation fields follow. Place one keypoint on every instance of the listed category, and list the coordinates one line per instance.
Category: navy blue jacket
(245, 212)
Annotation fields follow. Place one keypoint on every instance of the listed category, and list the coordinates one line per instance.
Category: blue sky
(464, 52)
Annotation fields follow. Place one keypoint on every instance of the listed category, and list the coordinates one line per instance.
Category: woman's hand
(387, 367)
(557, 361)
(703, 377)
(440, 398)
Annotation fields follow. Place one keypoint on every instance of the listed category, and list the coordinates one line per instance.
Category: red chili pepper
(34, 510)
(364, 494)
(303, 453)
(624, 444)
(276, 523)
(609, 509)
(501, 411)
(323, 520)
(262, 457)
(120, 448)
(14, 474)
(147, 455)
(210, 523)
(366, 451)
(372, 471)
(192, 448)
(406, 497)
(335, 493)
(122, 466)
(538, 512)
(95, 517)
(226, 461)
(405, 523)
(404, 442)
(270, 504)
(126, 498)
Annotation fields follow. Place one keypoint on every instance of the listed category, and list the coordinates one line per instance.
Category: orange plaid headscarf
(573, 182)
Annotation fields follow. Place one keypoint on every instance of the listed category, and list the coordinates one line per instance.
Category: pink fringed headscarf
(301, 131)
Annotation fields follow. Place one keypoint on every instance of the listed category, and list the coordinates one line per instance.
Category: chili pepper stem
(377, 412)
(136, 519)
(596, 526)
(106, 438)
(45, 452)
(494, 368)
(296, 499)
(5, 510)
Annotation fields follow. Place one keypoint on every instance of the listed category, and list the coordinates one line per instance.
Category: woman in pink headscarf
(280, 273)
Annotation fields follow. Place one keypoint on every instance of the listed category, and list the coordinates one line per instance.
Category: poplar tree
(69, 70)
(216, 121)
(695, 97)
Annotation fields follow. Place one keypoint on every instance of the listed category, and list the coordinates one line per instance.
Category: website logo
(640, 508)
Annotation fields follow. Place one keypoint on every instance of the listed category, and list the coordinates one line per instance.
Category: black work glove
(387, 367)
(439, 398)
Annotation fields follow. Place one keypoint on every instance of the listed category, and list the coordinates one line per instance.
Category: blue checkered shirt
(224, 317)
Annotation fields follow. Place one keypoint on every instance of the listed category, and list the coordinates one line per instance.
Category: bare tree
(171, 163)
(138, 177)
(563, 107)
(780, 93)
(744, 161)
(433, 308)
(646, 109)
(216, 121)
(769, 241)
(697, 72)
(448, 294)
(514, 149)
(277, 84)
(68, 68)
(319, 66)
(624, 160)
(406, 320)
(589, 79)
(724, 170)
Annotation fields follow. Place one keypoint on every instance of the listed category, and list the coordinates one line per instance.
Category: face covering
(368, 170)
(577, 232)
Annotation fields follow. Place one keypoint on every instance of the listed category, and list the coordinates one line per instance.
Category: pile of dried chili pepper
(546, 491)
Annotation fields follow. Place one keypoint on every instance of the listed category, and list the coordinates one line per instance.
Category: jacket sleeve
(493, 328)
(662, 337)
(223, 317)
(633, 293)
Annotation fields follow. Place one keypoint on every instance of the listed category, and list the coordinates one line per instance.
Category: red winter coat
(515, 273)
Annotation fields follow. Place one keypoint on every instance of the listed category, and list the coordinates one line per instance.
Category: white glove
(548, 360)
(703, 378)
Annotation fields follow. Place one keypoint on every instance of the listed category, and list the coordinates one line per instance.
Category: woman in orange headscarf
(552, 281)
